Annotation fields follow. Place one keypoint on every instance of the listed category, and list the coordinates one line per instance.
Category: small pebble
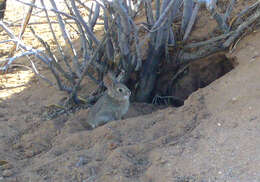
(7, 173)
(82, 161)
(7, 166)
(112, 146)
(29, 153)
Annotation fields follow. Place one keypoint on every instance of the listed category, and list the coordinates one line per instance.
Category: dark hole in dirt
(173, 90)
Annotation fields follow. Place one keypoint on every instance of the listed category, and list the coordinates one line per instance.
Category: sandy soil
(213, 137)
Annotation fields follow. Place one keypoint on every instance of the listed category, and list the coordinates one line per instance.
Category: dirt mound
(213, 137)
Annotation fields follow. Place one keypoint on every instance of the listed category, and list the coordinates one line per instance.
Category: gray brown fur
(111, 106)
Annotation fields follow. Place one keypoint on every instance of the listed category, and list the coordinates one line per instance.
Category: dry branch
(24, 25)
(121, 45)
(73, 95)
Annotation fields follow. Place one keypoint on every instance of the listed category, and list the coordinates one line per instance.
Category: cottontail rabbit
(111, 106)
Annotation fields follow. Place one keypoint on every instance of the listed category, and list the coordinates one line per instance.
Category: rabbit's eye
(120, 90)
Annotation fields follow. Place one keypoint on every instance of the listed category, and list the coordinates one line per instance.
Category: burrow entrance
(173, 87)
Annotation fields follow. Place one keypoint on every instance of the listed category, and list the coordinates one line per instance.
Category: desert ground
(213, 137)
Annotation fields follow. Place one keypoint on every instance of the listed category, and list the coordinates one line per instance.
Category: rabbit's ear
(110, 80)
(112, 76)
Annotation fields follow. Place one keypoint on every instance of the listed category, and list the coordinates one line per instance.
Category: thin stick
(192, 21)
(55, 39)
(24, 25)
(100, 46)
